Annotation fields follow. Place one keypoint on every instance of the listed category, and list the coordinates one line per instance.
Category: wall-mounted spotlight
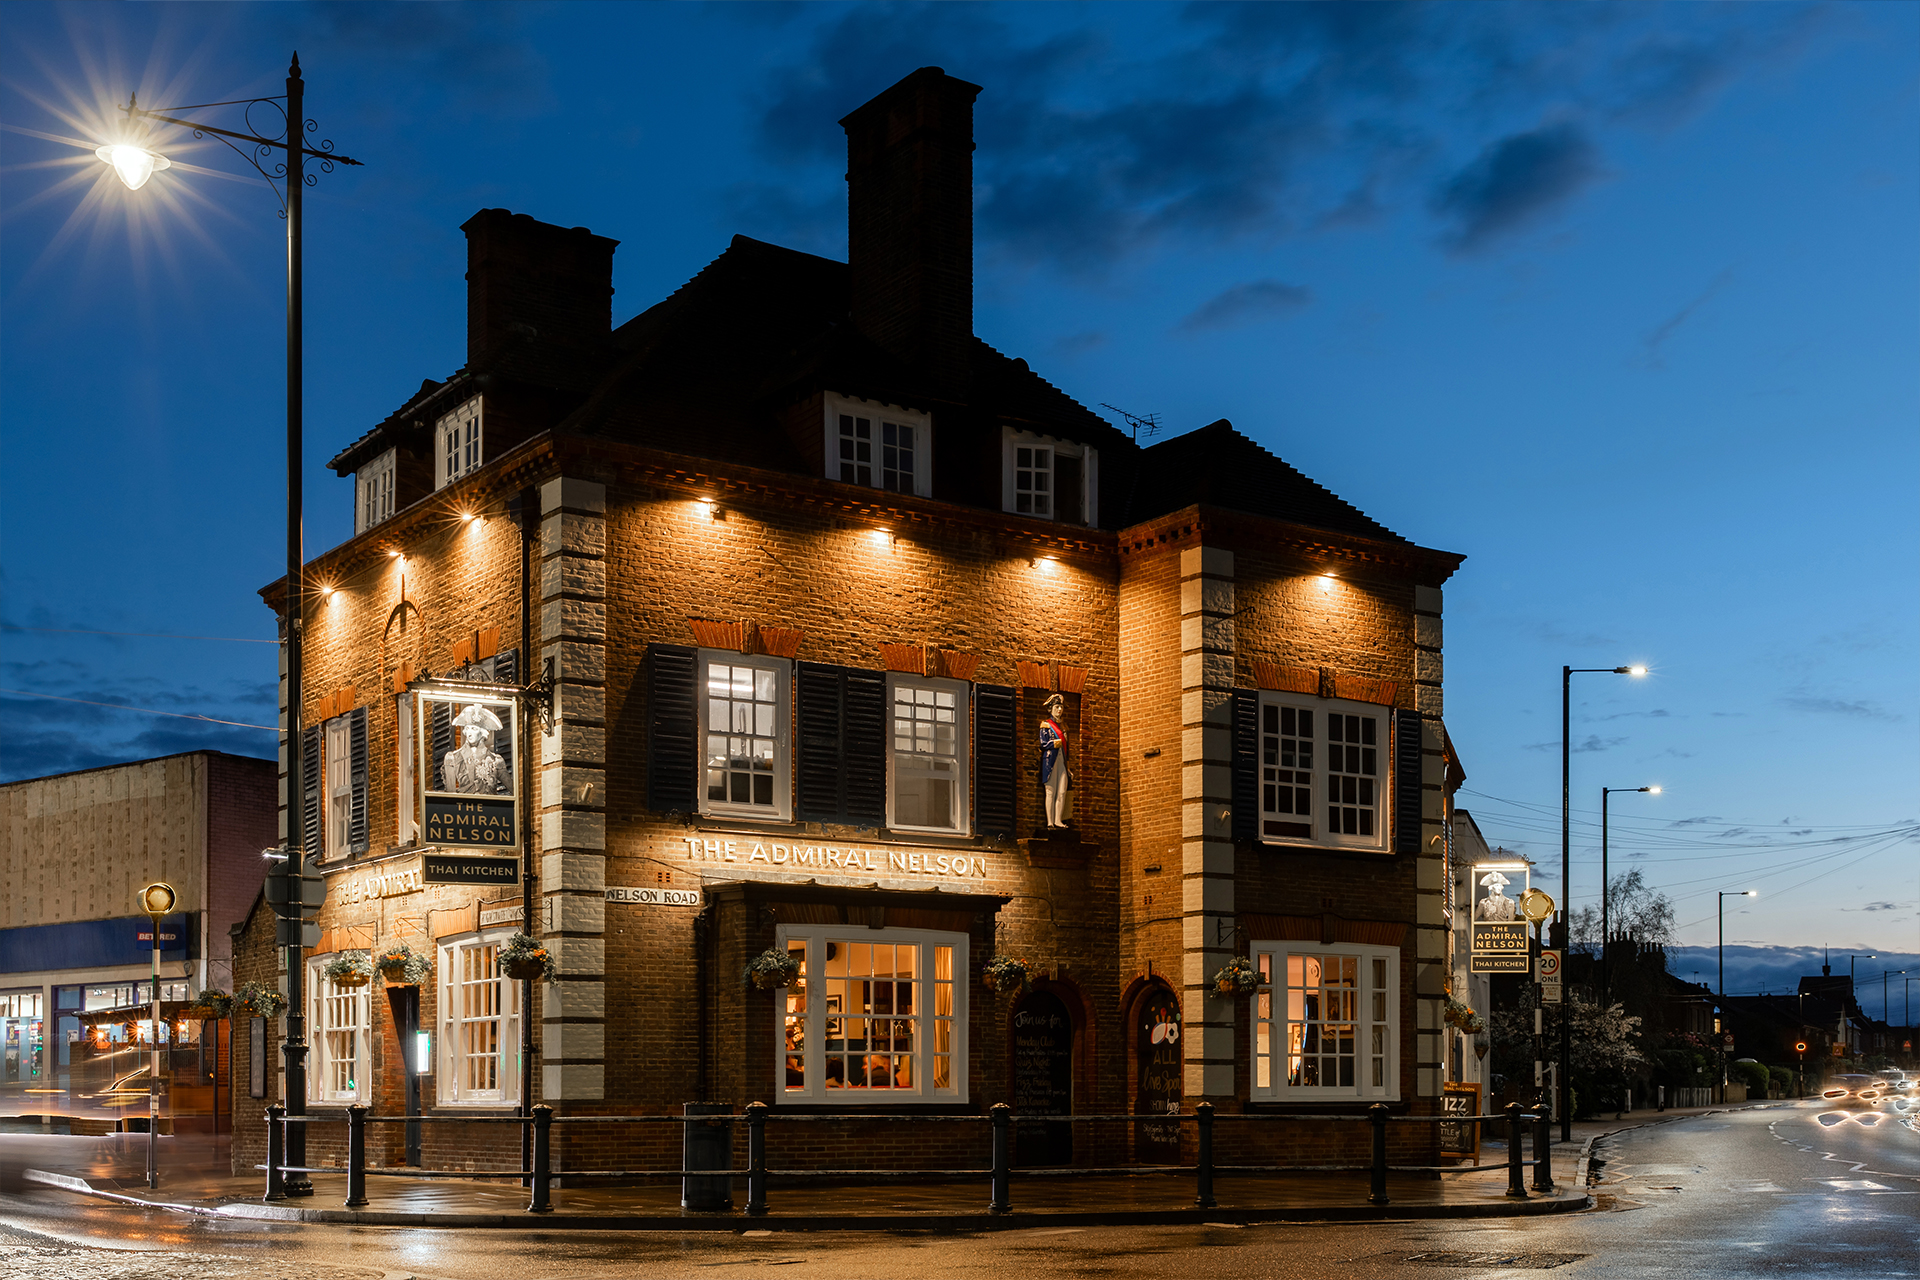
(1326, 583)
(881, 538)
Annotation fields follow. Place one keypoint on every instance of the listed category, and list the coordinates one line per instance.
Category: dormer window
(456, 444)
(1049, 478)
(880, 446)
(373, 492)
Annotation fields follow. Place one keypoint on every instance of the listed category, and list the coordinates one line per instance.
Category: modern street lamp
(289, 179)
(1885, 1008)
(157, 901)
(1720, 910)
(1567, 674)
(1606, 884)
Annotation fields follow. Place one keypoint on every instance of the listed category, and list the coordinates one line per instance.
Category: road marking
(1754, 1188)
(1856, 1184)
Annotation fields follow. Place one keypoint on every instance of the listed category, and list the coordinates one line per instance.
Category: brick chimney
(910, 222)
(535, 290)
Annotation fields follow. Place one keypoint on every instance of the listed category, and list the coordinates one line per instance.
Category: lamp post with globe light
(289, 177)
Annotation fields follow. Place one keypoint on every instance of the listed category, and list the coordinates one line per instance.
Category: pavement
(100, 1168)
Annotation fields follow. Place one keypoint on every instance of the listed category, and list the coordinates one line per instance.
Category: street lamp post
(1885, 1007)
(1606, 885)
(1720, 911)
(156, 900)
(289, 179)
(1567, 674)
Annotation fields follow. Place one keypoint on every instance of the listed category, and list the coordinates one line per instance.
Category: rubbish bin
(708, 1145)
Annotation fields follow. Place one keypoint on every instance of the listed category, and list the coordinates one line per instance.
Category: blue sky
(1617, 300)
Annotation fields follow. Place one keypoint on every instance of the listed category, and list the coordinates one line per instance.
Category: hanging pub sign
(1500, 933)
(469, 777)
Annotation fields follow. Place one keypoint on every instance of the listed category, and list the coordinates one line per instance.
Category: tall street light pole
(289, 178)
(1606, 885)
(1564, 1101)
(1886, 1008)
(1720, 910)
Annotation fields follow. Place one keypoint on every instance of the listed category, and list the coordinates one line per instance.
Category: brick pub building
(805, 561)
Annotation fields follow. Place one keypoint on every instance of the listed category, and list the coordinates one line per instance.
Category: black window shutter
(673, 729)
(864, 741)
(310, 791)
(996, 760)
(441, 736)
(819, 695)
(506, 667)
(1246, 765)
(1406, 782)
(357, 767)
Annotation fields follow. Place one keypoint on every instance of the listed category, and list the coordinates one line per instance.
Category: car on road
(1899, 1083)
(1853, 1090)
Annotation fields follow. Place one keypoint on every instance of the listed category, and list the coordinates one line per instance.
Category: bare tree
(1635, 909)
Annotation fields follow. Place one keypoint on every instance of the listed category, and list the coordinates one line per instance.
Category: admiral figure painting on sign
(469, 777)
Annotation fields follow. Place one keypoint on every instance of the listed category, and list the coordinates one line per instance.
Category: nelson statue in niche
(1054, 777)
(474, 768)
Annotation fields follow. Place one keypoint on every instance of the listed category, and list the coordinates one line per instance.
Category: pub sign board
(462, 868)
(468, 771)
(1500, 932)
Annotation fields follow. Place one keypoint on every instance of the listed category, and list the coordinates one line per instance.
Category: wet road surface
(1793, 1189)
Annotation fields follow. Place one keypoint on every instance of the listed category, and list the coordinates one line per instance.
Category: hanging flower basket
(523, 959)
(400, 966)
(772, 968)
(211, 1003)
(259, 1001)
(1237, 979)
(1461, 1017)
(349, 969)
(1008, 975)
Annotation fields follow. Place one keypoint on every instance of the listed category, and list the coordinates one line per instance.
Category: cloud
(1594, 742)
(1651, 344)
(1656, 714)
(476, 53)
(1514, 183)
(1879, 906)
(1259, 122)
(1753, 967)
(1078, 344)
(1245, 304)
(1862, 710)
(1694, 822)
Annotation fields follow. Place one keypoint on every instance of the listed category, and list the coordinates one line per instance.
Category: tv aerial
(1150, 421)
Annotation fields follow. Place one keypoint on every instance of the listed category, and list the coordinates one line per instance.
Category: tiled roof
(1218, 466)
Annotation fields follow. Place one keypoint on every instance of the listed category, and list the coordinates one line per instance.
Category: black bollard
(356, 1157)
(1516, 1139)
(542, 1201)
(276, 1153)
(1002, 1117)
(1203, 1115)
(1377, 1116)
(756, 1159)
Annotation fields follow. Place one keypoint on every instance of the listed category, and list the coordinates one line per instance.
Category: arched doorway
(1157, 1075)
(1041, 1034)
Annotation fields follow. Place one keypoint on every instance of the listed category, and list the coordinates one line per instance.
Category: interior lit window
(875, 1015)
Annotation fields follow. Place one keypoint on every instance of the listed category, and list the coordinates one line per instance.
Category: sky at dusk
(1617, 300)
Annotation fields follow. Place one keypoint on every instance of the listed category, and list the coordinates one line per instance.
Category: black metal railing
(999, 1174)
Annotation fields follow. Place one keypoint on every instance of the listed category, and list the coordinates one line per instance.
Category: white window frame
(961, 766)
(373, 492)
(450, 1055)
(406, 798)
(1269, 1021)
(809, 1004)
(880, 414)
(336, 785)
(1012, 440)
(1322, 836)
(326, 1002)
(458, 442)
(781, 810)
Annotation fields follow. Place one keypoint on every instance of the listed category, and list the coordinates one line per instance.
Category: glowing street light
(134, 164)
(1605, 884)
(1565, 1100)
(289, 180)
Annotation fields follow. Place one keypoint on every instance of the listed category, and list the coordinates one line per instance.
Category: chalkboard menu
(1042, 1035)
(1157, 1061)
(257, 1059)
(1460, 1137)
